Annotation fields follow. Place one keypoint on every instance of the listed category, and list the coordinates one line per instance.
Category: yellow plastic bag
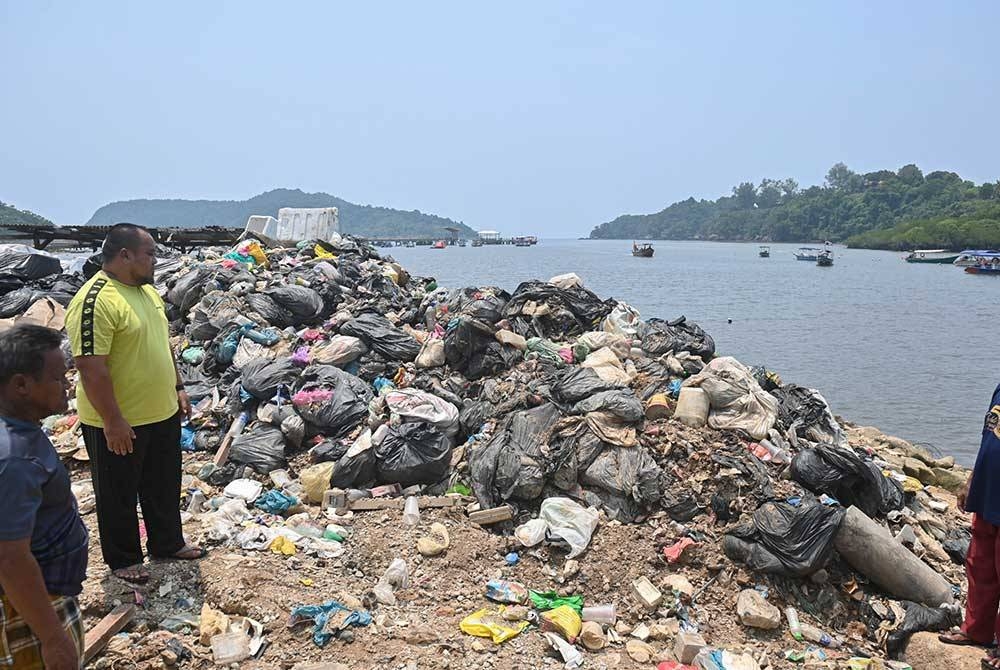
(254, 250)
(485, 623)
(316, 481)
(322, 253)
(282, 545)
(563, 620)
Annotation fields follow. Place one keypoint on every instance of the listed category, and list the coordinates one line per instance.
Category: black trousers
(151, 473)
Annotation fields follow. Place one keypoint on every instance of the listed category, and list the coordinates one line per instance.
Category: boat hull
(804, 257)
(976, 270)
(949, 260)
(643, 253)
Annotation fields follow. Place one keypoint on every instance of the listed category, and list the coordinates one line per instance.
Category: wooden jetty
(183, 239)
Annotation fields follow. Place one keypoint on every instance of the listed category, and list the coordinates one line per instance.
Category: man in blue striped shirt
(43, 542)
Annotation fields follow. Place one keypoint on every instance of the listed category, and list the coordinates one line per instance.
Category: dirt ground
(422, 629)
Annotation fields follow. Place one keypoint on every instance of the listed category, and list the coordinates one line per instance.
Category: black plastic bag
(512, 463)
(382, 337)
(921, 618)
(346, 407)
(263, 378)
(471, 348)
(631, 476)
(807, 411)
(956, 545)
(569, 311)
(784, 539)
(27, 263)
(188, 289)
(262, 448)
(17, 302)
(413, 453)
(680, 506)
(620, 402)
(577, 383)
(305, 304)
(270, 311)
(484, 304)
(841, 473)
(659, 336)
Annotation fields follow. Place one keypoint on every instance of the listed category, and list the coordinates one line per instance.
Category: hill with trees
(11, 216)
(939, 209)
(355, 219)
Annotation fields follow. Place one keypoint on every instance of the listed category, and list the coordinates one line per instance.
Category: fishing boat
(825, 258)
(808, 254)
(931, 256)
(522, 242)
(440, 244)
(971, 257)
(642, 250)
(477, 242)
(764, 251)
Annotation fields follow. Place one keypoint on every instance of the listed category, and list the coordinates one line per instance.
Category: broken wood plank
(485, 517)
(97, 638)
(235, 429)
(425, 502)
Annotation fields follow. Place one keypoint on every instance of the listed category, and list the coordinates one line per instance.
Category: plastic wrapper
(563, 620)
(490, 623)
(316, 481)
(340, 350)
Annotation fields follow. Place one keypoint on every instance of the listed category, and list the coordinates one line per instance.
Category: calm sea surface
(904, 347)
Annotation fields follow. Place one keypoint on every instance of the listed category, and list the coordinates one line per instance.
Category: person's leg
(984, 583)
(116, 481)
(160, 488)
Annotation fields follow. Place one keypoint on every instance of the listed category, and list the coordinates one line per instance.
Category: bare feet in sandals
(190, 552)
(133, 574)
(959, 638)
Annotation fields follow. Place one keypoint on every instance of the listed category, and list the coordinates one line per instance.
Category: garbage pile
(328, 383)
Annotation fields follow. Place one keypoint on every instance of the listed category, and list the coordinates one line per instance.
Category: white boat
(971, 257)
(808, 254)
(941, 256)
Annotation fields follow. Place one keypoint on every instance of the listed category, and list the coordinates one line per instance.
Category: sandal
(189, 553)
(133, 574)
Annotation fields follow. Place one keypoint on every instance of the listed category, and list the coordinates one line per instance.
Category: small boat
(642, 250)
(440, 244)
(462, 243)
(825, 258)
(808, 254)
(477, 243)
(410, 244)
(983, 270)
(764, 252)
(522, 242)
(931, 256)
(971, 257)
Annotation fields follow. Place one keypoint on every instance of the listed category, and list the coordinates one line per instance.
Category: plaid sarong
(20, 648)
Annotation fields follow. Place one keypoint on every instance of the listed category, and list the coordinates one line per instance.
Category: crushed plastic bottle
(793, 623)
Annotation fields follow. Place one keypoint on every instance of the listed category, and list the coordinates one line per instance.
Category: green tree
(745, 194)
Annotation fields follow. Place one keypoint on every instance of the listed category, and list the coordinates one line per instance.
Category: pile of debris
(442, 471)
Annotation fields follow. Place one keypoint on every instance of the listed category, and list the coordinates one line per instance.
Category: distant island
(363, 220)
(897, 210)
(11, 216)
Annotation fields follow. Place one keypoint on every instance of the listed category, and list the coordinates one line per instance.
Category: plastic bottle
(197, 502)
(411, 512)
(793, 622)
(814, 634)
(600, 614)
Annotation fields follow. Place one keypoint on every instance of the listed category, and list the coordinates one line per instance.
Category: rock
(648, 595)
(665, 630)
(938, 506)
(918, 470)
(592, 636)
(821, 576)
(515, 613)
(756, 612)
(687, 646)
(421, 635)
(321, 665)
(478, 647)
(623, 628)
(680, 584)
(571, 568)
(437, 543)
(906, 536)
(641, 632)
(946, 463)
(950, 480)
(639, 651)
(924, 650)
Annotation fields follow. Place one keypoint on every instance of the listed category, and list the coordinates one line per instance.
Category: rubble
(636, 477)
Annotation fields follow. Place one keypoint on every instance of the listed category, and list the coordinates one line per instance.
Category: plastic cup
(411, 512)
(600, 614)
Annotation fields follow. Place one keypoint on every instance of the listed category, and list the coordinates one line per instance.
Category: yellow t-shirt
(128, 325)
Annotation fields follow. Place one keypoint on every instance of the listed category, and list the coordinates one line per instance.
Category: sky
(543, 118)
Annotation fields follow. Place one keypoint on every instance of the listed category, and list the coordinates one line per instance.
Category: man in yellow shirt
(130, 399)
